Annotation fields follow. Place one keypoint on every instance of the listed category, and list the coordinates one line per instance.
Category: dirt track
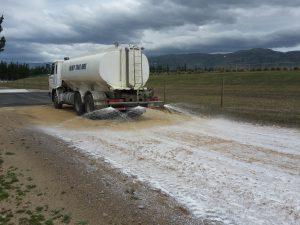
(86, 189)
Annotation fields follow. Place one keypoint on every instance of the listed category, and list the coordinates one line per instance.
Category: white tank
(118, 68)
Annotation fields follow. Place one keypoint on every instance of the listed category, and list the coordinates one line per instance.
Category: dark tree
(2, 39)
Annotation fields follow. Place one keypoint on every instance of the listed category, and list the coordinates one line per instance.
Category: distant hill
(34, 65)
(254, 57)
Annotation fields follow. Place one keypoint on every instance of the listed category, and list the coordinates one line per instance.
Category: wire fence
(262, 96)
(157, 68)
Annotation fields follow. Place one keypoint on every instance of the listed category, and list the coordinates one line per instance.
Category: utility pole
(165, 89)
(222, 92)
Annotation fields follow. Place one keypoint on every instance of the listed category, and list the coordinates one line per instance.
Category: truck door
(57, 74)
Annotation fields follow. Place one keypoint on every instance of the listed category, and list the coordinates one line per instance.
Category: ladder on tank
(138, 68)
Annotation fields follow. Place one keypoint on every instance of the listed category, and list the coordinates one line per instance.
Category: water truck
(115, 77)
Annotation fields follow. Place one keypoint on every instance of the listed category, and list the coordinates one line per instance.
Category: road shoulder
(83, 190)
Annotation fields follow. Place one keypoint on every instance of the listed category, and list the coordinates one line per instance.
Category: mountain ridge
(241, 57)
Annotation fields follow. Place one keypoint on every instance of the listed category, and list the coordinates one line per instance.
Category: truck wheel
(89, 103)
(57, 105)
(79, 106)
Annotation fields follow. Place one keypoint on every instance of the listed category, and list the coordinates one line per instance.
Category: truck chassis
(93, 100)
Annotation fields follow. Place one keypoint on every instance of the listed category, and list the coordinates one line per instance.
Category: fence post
(164, 89)
(222, 91)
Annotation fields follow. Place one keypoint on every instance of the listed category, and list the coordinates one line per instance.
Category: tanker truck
(115, 77)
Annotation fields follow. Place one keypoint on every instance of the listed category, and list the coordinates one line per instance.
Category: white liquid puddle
(236, 173)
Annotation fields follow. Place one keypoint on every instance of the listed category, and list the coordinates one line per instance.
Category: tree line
(14, 71)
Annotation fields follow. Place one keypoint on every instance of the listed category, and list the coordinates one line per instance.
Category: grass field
(268, 96)
(36, 82)
(272, 96)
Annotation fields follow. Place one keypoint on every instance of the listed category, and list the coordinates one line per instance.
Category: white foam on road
(236, 173)
(13, 91)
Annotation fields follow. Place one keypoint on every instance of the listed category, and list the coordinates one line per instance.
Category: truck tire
(57, 105)
(89, 103)
(79, 106)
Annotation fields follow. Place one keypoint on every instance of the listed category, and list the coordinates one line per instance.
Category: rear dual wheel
(79, 105)
(89, 103)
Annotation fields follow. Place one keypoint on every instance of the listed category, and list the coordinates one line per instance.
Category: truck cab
(55, 75)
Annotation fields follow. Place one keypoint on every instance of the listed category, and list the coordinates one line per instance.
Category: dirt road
(45, 181)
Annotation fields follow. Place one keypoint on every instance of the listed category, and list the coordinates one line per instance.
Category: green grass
(268, 96)
(9, 153)
(15, 198)
(36, 82)
(81, 222)
(66, 219)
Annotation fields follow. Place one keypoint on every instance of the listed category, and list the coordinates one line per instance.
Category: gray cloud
(42, 30)
(235, 3)
(283, 38)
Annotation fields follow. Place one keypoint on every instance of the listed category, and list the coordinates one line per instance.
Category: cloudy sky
(44, 30)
